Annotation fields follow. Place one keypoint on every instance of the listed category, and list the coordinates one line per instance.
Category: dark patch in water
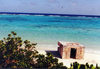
(42, 26)
(11, 19)
(5, 25)
(55, 21)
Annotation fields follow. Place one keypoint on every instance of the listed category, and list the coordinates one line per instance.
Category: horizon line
(47, 14)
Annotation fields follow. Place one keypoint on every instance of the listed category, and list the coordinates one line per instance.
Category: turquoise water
(51, 29)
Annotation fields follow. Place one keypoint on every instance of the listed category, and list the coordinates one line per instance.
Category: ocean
(48, 30)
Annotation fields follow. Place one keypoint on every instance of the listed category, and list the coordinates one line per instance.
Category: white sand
(91, 58)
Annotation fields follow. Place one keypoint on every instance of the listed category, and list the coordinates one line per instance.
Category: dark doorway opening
(73, 53)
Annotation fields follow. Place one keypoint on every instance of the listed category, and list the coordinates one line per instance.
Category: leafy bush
(12, 55)
(49, 61)
(16, 53)
(76, 65)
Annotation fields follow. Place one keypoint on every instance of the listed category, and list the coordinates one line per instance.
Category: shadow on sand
(54, 53)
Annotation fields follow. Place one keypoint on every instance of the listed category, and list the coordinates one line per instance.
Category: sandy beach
(90, 57)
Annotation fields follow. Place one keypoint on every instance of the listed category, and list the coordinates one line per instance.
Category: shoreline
(89, 56)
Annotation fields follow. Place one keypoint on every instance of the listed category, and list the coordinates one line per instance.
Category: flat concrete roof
(70, 43)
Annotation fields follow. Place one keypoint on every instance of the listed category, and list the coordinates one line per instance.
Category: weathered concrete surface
(65, 50)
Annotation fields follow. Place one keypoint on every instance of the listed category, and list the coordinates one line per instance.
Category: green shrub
(12, 55)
